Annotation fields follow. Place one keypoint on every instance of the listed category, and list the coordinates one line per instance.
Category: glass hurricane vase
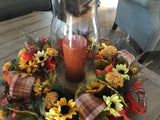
(75, 34)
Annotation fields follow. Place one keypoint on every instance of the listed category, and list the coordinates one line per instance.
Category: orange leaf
(99, 71)
(109, 68)
(8, 78)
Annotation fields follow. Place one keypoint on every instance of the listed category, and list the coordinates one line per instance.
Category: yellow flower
(100, 52)
(50, 51)
(114, 80)
(51, 115)
(62, 110)
(20, 54)
(40, 87)
(134, 70)
(122, 70)
(2, 115)
(41, 57)
(95, 87)
(113, 104)
(103, 45)
(6, 66)
(50, 99)
(109, 52)
(29, 66)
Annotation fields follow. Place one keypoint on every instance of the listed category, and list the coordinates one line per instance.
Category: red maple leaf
(28, 55)
(50, 64)
(43, 40)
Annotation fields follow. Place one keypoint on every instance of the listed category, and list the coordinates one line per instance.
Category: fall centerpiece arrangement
(33, 92)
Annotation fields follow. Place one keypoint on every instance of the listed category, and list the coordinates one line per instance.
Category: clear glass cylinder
(75, 33)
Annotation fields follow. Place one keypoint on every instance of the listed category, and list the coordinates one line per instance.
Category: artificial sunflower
(29, 66)
(114, 80)
(63, 110)
(41, 57)
(50, 99)
(113, 104)
(6, 66)
(52, 115)
(40, 87)
(2, 115)
(95, 87)
(122, 70)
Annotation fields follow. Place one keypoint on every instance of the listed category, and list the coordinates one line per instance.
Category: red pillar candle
(75, 57)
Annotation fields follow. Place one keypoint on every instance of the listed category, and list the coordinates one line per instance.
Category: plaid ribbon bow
(127, 56)
(21, 87)
(89, 106)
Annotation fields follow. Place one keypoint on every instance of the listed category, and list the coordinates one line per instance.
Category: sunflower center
(113, 105)
(121, 72)
(41, 58)
(95, 88)
(27, 63)
(65, 109)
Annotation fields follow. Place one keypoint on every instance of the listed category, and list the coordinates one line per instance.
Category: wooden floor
(12, 32)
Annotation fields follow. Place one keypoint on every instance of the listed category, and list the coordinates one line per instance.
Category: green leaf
(25, 112)
(80, 117)
(25, 116)
(101, 63)
(30, 118)
(45, 47)
(52, 78)
(80, 90)
(102, 116)
(63, 91)
(4, 83)
(91, 78)
(2, 78)
(4, 107)
(102, 76)
(121, 60)
(42, 109)
(37, 104)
